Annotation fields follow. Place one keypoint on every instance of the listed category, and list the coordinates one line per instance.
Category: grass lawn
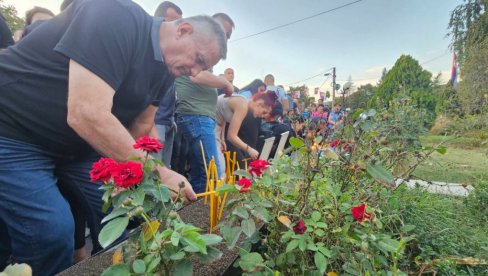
(463, 162)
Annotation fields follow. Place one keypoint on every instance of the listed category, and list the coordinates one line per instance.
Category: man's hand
(254, 154)
(229, 89)
(173, 179)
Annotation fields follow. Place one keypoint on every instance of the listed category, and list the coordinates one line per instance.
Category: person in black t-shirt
(119, 61)
(273, 127)
(5, 34)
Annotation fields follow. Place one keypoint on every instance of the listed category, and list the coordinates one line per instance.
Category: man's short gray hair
(205, 27)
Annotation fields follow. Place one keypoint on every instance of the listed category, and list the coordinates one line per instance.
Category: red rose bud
(244, 184)
(127, 174)
(257, 167)
(102, 170)
(148, 144)
(335, 143)
(300, 227)
(359, 213)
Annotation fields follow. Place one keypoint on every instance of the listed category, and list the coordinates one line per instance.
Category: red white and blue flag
(454, 72)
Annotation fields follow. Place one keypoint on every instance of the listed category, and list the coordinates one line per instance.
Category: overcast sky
(359, 40)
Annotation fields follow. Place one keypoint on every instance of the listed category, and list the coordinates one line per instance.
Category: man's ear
(184, 29)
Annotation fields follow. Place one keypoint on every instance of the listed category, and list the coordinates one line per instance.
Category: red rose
(148, 144)
(359, 213)
(335, 143)
(127, 174)
(245, 184)
(102, 169)
(300, 227)
(347, 146)
(257, 167)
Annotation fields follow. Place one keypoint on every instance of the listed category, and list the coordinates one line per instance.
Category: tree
(406, 78)
(13, 21)
(360, 98)
(464, 28)
(473, 89)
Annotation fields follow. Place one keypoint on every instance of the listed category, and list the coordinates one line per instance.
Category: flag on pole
(454, 71)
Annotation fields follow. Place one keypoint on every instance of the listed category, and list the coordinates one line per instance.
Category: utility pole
(333, 85)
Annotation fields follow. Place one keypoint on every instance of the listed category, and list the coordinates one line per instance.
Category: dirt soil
(196, 214)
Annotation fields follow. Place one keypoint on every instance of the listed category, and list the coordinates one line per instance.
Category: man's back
(194, 99)
(34, 73)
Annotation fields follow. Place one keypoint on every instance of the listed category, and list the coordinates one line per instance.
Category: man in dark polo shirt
(5, 34)
(85, 83)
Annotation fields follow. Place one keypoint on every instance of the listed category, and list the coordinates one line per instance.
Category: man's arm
(89, 114)
(144, 123)
(208, 79)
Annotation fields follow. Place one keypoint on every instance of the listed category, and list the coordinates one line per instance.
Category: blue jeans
(166, 136)
(198, 128)
(36, 225)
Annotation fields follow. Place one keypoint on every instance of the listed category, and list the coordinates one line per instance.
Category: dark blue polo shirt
(114, 39)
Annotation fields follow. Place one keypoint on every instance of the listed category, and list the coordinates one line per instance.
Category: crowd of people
(89, 81)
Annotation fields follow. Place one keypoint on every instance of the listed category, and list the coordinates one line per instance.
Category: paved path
(439, 187)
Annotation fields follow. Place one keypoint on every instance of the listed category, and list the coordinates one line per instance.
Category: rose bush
(329, 207)
(164, 243)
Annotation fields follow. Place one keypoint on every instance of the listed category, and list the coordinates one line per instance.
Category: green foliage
(360, 98)
(473, 90)
(406, 79)
(446, 228)
(164, 242)
(305, 202)
(14, 22)
(464, 26)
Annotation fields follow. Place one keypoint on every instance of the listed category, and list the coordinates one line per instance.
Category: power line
(425, 62)
(309, 78)
(296, 21)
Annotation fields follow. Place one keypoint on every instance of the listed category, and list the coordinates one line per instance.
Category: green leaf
(194, 239)
(380, 174)
(212, 255)
(407, 228)
(321, 224)
(311, 246)
(112, 231)
(243, 173)
(162, 193)
(226, 188)
(441, 150)
(115, 213)
(175, 238)
(251, 261)
(120, 197)
(153, 264)
(261, 213)
(302, 244)
(248, 227)
(316, 216)
(184, 268)
(139, 266)
(178, 256)
(241, 211)
(325, 251)
(389, 245)
(211, 239)
(331, 154)
(138, 197)
(291, 245)
(318, 140)
(320, 262)
(117, 270)
(231, 235)
(296, 142)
